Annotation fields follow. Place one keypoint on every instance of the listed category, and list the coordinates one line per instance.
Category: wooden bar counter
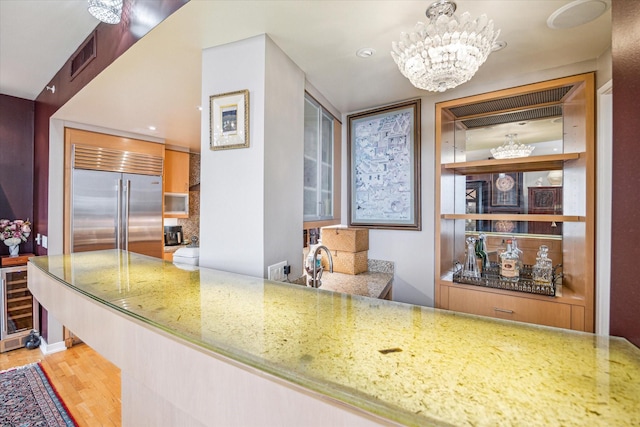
(206, 347)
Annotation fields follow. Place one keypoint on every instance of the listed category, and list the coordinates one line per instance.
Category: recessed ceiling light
(498, 45)
(199, 107)
(152, 128)
(576, 13)
(365, 52)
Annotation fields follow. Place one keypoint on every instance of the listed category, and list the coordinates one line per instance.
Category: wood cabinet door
(176, 176)
(545, 200)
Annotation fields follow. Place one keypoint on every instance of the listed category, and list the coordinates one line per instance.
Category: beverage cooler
(19, 308)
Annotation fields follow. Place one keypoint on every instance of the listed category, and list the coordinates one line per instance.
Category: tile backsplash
(191, 225)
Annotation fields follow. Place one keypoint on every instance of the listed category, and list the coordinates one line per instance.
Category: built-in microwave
(176, 205)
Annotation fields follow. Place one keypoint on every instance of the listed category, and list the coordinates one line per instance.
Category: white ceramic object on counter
(187, 256)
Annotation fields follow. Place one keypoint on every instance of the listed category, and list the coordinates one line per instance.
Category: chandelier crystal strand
(445, 52)
(108, 11)
(511, 148)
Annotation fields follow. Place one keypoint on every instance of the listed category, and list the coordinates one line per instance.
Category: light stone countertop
(410, 364)
(369, 284)
(374, 283)
(173, 248)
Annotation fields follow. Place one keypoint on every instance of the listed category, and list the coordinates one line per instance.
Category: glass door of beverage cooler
(19, 309)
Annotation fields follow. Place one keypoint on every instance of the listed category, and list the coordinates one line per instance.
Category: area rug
(28, 399)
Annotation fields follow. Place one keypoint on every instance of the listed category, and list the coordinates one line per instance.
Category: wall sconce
(108, 11)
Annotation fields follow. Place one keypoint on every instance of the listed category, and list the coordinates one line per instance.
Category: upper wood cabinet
(518, 197)
(176, 172)
(545, 200)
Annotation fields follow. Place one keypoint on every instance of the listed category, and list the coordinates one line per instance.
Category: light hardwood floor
(87, 383)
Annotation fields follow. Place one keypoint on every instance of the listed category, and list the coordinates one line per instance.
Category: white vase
(14, 249)
(555, 177)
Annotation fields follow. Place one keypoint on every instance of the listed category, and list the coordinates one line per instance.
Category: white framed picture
(229, 125)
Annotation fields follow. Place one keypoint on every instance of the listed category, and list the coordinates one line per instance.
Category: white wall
(251, 198)
(413, 251)
(283, 160)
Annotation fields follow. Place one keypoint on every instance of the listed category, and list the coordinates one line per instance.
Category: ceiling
(157, 81)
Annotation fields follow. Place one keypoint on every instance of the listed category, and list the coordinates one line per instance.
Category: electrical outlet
(276, 271)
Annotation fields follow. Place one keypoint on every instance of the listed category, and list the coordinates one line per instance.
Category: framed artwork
(383, 150)
(506, 226)
(229, 122)
(506, 189)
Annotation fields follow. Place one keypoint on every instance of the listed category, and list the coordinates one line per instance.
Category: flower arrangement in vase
(12, 233)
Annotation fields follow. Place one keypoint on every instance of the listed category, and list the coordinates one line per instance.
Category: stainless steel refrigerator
(116, 208)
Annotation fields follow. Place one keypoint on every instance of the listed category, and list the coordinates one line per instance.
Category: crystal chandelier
(108, 11)
(511, 148)
(445, 52)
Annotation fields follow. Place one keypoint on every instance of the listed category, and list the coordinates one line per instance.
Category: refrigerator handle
(126, 215)
(119, 217)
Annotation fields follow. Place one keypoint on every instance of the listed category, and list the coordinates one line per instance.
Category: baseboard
(51, 348)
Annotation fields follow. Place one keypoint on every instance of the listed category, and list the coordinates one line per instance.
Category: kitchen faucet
(315, 278)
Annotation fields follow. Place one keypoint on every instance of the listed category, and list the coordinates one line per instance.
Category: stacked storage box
(349, 248)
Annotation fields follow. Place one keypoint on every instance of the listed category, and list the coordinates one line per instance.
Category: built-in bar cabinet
(546, 198)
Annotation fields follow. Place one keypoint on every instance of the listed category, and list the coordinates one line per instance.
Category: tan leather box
(345, 239)
(347, 262)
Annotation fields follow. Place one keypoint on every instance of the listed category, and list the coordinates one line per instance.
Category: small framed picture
(506, 189)
(229, 127)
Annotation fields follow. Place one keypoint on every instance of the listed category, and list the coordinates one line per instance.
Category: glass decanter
(470, 268)
(543, 269)
(518, 251)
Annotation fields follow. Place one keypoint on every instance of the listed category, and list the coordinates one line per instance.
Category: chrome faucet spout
(315, 279)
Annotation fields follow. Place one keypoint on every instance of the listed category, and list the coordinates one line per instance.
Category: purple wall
(16, 163)
(625, 239)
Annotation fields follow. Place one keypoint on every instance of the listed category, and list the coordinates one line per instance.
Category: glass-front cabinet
(517, 175)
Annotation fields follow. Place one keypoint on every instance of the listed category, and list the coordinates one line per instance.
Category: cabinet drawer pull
(503, 310)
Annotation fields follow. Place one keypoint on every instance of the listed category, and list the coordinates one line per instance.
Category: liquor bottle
(509, 264)
(481, 251)
(543, 269)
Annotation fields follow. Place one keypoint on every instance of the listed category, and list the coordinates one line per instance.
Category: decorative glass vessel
(470, 268)
(517, 250)
(509, 264)
(543, 269)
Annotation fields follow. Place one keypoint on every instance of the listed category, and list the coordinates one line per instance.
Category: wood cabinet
(176, 172)
(501, 306)
(176, 184)
(545, 200)
(560, 217)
